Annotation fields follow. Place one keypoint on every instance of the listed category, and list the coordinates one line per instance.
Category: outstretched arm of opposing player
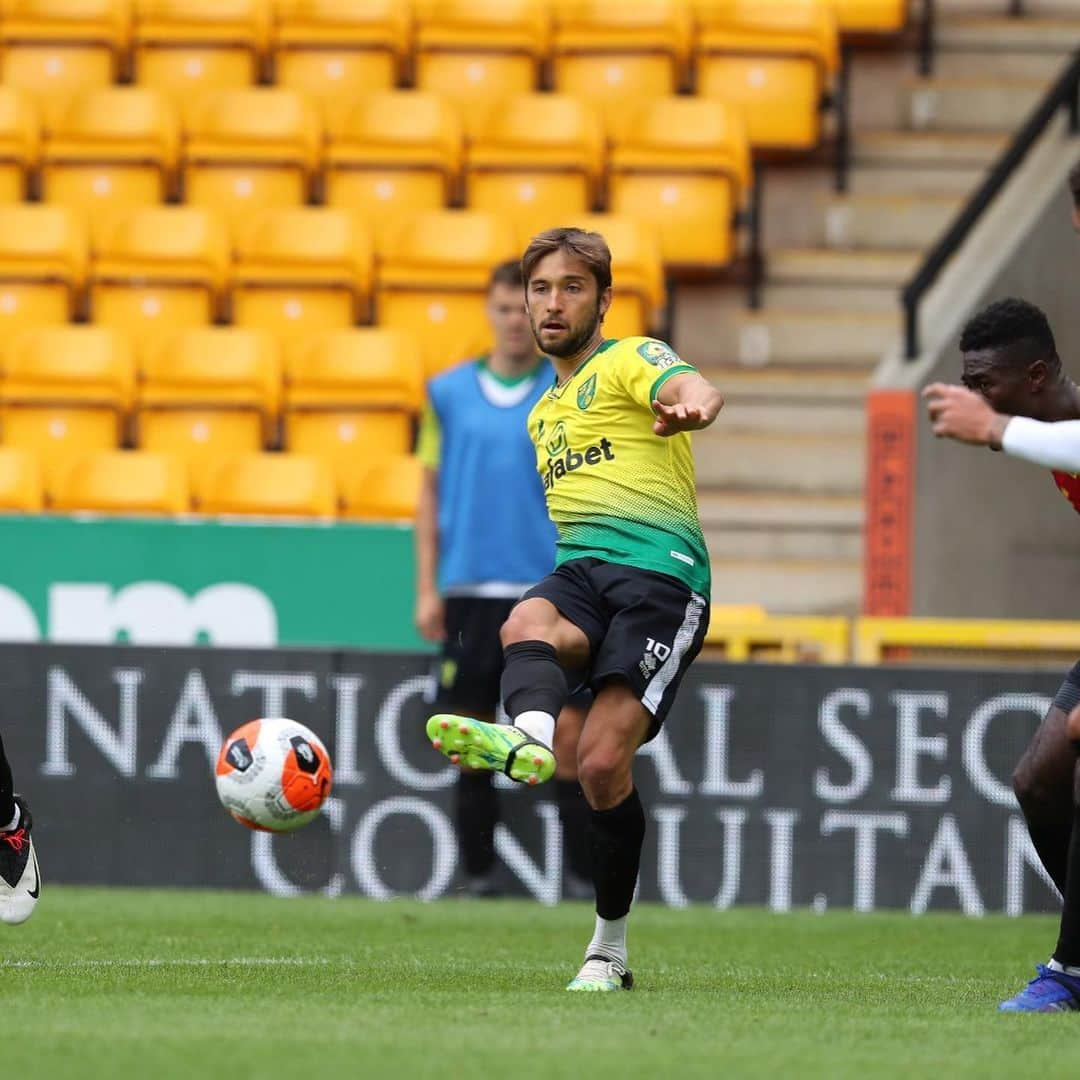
(959, 413)
(686, 402)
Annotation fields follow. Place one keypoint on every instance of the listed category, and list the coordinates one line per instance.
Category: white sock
(609, 939)
(14, 822)
(537, 725)
(1053, 965)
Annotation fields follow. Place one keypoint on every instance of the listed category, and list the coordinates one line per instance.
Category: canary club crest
(586, 392)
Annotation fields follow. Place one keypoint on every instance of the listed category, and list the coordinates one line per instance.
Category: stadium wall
(820, 787)
(992, 536)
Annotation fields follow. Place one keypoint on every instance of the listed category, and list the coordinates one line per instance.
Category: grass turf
(128, 983)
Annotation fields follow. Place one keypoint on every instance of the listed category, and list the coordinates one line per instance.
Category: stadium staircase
(782, 476)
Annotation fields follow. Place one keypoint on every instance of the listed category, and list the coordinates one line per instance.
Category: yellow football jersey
(615, 490)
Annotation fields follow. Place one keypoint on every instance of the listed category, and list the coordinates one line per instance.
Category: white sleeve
(1055, 446)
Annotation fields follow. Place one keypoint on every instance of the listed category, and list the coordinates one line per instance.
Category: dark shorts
(643, 627)
(1068, 696)
(469, 668)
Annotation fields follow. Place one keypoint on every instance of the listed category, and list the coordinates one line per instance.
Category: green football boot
(495, 747)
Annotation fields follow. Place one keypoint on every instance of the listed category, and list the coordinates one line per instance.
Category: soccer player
(483, 537)
(20, 880)
(626, 608)
(1017, 398)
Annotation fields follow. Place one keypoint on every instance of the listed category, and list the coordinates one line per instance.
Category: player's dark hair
(1074, 184)
(590, 247)
(507, 273)
(1018, 330)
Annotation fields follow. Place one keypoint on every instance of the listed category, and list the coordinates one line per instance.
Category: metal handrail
(1065, 94)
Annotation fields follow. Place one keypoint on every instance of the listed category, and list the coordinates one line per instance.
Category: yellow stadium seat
(19, 142)
(352, 395)
(301, 269)
(870, 16)
(256, 147)
(774, 60)
(60, 46)
(124, 482)
(270, 485)
(208, 392)
(386, 490)
(181, 46)
(66, 390)
(111, 147)
(432, 278)
(157, 267)
(21, 485)
(638, 291)
(478, 51)
(536, 152)
(683, 164)
(609, 52)
(393, 152)
(334, 48)
(43, 261)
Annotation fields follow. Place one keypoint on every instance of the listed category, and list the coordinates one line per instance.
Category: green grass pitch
(128, 983)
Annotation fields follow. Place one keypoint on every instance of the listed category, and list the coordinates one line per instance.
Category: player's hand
(429, 617)
(671, 419)
(961, 414)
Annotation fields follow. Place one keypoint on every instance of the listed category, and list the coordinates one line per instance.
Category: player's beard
(575, 342)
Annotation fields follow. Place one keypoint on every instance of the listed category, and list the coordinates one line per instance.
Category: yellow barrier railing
(747, 633)
(873, 635)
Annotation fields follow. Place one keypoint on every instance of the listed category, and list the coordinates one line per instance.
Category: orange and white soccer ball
(273, 775)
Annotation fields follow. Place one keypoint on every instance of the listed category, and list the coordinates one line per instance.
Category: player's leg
(573, 809)
(616, 726)
(20, 880)
(1043, 782)
(539, 642)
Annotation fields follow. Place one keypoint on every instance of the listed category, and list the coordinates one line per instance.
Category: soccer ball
(273, 775)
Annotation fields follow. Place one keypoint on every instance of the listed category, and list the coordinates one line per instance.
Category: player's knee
(1072, 727)
(522, 624)
(602, 773)
(1032, 793)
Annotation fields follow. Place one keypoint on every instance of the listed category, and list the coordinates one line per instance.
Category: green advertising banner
(94, 580)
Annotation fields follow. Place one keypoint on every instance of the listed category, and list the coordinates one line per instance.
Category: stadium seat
(773, 60)
(432, 279)
(60, 46)
(536, 152)
(208, 392)
(21, 485)
(683, 164)
(478, 51)
(614, 52)
(123, 482)
(252, 147)
(157, 266)
(386, 490)
(111, 147)
(352, 395)
(337, 48)
(301, 269)
(181, 46)
(393, 152)
(270, 485)
(870, 16)
(638, 294)
(43, 260)
(66, 390)
(19, 143)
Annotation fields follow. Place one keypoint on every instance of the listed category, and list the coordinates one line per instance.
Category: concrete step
(849, 298)
(791, 512)
(892, 222)
(818, 266)
(910, 180)
(784, 385)
(997, 104)
(929, 149)
(750, 461)
(758, 338)
(1053, 29)
(794, 417)
(825, 545)
(794, 587)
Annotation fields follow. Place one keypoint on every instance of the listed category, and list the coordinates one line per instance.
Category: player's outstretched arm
(686, 402)
(959, 413)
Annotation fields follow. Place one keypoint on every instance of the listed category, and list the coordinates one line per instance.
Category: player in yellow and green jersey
(627, 606)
